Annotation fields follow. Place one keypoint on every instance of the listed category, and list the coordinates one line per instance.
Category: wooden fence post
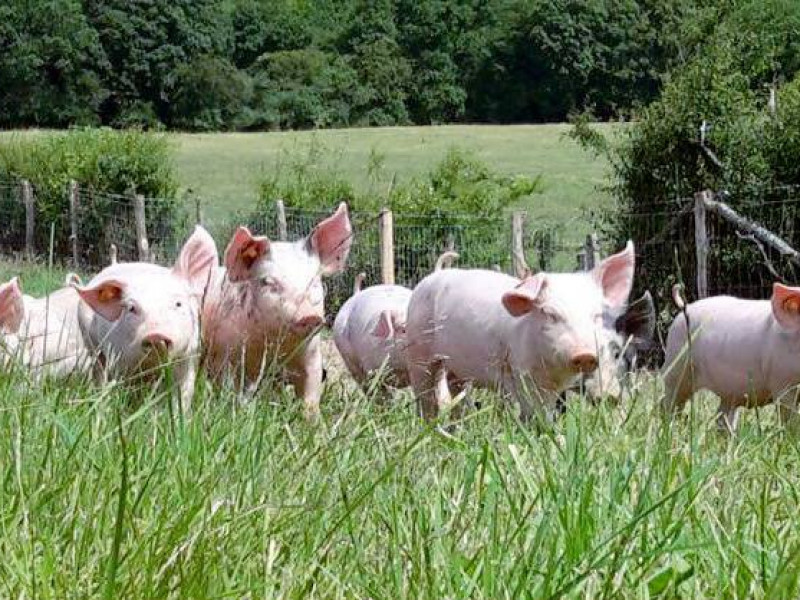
(581, 260)
(591, 252)
(142, 245)
(73, 222)
(520, 267)
(701, 241)
(30, 216)
(198, 210)
(387, 246)
(280, 211)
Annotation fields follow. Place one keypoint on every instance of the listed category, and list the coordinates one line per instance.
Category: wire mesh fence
(738, 264)
(12, 216)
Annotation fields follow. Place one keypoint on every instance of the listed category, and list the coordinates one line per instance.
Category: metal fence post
(387, 246)
(701, 241)
(280, 211)
(198, 210)
(29, 201)
(139, 215)
(73, 221)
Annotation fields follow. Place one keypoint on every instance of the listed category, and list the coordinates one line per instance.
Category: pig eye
(178, 304)
(269, 283)
(133, 310)
(552, 316)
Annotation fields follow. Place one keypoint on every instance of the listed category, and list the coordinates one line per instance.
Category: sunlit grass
(103, 498)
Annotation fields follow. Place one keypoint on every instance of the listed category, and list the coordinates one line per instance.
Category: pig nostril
(584, 363)
(157, 340)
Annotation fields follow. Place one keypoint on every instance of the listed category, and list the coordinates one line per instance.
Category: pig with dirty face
(625, 338)
(522, 337)
(266, 307)
(41, 333)
(136, 317)
(747, 352)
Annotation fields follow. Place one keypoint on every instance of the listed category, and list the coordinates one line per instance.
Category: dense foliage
(748, 150)
(263, 64)
(107, 165)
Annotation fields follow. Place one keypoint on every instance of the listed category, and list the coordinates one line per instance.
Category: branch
(767, 262)
(758, 232)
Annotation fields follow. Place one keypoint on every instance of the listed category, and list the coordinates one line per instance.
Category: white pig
(370, 329)
(494, 330)
(745, 351)
(266, 307)
(137, 316)
(42, 333)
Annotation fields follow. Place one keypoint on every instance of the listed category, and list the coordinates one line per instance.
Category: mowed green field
(225, 168)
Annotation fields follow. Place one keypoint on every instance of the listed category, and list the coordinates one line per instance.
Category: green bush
(659, 162)
(459, 200)
(103, 162)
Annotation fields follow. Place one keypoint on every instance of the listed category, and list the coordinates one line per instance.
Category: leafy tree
(147, 41)
(50, 59)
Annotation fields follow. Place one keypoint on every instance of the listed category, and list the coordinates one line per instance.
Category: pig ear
(389, 325)
(331, 240)
(104, 298)
(12, 307)
(615, 276)
(244, 251)
(639, 320)
(526, 296)
(197, 259)
(384, 329)
(786, 306)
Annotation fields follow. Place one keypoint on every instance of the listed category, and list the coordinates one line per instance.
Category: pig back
(458, 316)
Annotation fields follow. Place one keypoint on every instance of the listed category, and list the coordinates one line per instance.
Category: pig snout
(157, 341)
(307, 323)
(583, 362)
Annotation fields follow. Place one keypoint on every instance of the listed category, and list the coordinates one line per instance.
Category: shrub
(103, 162)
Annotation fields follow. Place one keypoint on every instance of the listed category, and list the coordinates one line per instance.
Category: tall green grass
(103, 498)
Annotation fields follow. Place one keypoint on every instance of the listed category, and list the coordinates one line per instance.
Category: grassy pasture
(109, 495)
(104, 498)
(223, 168)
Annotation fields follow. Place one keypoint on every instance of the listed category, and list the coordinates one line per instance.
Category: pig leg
(185, 376)
(305, 373)
(728, 415)
(787, 407)
(424, 382)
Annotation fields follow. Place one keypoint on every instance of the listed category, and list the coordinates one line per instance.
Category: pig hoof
(312, 415)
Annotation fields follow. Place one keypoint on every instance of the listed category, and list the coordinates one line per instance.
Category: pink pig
(136, 316)
(745, 351)
(266, 307)
(41, 332)
(494, 330)
(370, 329)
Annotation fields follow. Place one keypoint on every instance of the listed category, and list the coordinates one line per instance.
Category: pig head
(269, 303)
(137, 316)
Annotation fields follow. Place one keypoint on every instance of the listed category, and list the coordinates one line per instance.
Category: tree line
(279, 64)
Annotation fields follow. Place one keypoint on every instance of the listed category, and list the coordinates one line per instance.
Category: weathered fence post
(30, 216)
(387, 246)
(518, 263)
(701, 241)
(581, 260)
(280, 211)
(591, 253)
(198, 210)
(142, 245)
(73, 221)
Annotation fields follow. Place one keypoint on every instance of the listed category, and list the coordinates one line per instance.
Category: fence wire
(12, 216)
